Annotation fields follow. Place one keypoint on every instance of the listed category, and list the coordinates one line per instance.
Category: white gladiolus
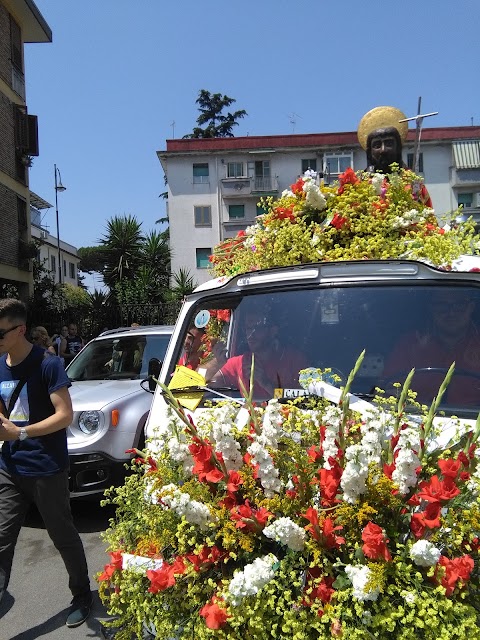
(267, 472)
(253, 578)
(377, 182)
(424, 553)
(272, 423)
(285, 531)
(314, 197)
(359, 576)
(406, 459)
(355, 474)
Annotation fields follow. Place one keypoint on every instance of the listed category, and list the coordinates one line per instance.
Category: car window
(115, 357)
(425, 326)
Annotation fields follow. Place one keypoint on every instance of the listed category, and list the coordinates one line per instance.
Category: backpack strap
(16, 392)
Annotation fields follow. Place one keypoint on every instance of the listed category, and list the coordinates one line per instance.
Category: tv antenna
(173, 129)
(293, 120)
(418, 133)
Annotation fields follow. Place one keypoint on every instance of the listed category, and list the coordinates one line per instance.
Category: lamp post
(58, 187)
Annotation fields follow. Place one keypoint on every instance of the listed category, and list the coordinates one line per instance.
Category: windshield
(426, 326)
(118, 357)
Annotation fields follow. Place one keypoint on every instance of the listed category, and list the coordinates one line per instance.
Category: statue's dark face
(383, 148)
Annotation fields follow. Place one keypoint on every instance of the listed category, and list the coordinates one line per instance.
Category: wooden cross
(418, 134)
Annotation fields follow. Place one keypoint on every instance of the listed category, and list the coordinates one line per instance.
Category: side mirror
(154, 367)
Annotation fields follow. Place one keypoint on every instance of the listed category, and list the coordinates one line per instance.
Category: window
(64, 268)
(16, 49)
(200, 173)
(309, 163)
(260, 210)
(53, 264)
(203, 256)
(465, 199)
(235, 170)
(203, 216)
(262, 169)
(71, 270)
(410, 161)
(236, 211)
(336, 163)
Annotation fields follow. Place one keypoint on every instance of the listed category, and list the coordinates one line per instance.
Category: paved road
(38, 599)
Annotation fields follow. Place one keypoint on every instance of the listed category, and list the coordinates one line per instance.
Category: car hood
(96, 394)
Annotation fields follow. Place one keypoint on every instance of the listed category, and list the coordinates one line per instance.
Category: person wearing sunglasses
(35, 411)
(275, 366)
(451, 336)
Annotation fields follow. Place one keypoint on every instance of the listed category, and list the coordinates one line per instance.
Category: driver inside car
(275, 365)
(451, 337)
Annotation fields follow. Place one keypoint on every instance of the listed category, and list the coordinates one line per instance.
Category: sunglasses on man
(3, 332)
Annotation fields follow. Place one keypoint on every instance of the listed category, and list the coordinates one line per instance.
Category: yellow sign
(185, 377)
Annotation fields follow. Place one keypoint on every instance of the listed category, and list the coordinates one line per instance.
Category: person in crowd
(451, 337)
(381, 133)
(192, 348)
(41, 338)
(35, 410)
(275, 366)
(74, 343)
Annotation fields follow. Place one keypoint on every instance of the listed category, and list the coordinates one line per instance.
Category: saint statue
(382, 132)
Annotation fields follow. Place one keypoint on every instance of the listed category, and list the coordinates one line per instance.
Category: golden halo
(380, 118)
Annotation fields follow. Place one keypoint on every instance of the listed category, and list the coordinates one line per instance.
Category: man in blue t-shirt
(35, 410)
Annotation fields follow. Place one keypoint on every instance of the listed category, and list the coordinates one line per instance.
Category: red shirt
(281, 369)
(421, 351)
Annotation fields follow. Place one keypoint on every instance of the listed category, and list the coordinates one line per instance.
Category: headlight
(89, 421)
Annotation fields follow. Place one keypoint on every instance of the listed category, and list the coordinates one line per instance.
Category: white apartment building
(48, 254)
(215, 185)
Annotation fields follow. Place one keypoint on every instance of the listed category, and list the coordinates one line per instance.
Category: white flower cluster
(411, 217)
(193, 511)
(424, 553)
(170, 434)
(355, 474)
(267, 472)
(217, 425)
(406, 459)
(377, 182)
(373, 438)
(272, 423)
(314, 197)
(288, 193)
(285, 531)
(253, 578)
(331, 419)
(359, 576)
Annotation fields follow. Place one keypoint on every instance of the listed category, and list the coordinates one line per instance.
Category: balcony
(245, 186)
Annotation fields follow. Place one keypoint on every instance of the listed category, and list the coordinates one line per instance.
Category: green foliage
(122, 244)
(91, 259)
(219, 125)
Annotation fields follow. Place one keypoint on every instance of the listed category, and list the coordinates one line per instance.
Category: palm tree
(123, 244)
(157, 257)
(182, 283)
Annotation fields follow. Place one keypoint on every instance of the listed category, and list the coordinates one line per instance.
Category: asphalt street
(38, 598)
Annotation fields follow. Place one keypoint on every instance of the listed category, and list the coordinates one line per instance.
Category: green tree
(219, 124)
(122, 244)
(182, 284)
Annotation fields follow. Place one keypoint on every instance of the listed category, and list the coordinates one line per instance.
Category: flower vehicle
(316, 476)
(110, 407)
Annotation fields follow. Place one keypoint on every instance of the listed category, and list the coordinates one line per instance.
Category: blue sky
(119, 73)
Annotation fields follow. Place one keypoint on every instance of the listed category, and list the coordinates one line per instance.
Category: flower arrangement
(363, 216)
(305, 521)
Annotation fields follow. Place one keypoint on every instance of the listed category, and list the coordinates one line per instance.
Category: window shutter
(32, 136)
(21, 128)
(16, 45)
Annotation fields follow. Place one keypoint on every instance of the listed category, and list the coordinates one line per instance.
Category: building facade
(215, 185)
(50, 250)
(20, 23)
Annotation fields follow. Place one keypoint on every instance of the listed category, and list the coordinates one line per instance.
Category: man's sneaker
(79, 609)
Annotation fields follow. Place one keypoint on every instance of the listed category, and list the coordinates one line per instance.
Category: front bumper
(92, 473)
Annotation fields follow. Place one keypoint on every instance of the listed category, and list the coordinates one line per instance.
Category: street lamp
(58, 187)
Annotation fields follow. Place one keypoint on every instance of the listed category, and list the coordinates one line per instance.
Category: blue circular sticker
(202, 318)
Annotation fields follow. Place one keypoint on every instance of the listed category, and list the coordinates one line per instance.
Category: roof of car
(149, 329)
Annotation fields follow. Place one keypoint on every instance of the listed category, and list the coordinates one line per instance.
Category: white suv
(110, 406)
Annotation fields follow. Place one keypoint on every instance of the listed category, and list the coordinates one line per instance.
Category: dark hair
(386, 131)
(13, 310)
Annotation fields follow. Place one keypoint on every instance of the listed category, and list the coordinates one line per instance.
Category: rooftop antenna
(418, 133)
(293, 120)
(173, 129)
